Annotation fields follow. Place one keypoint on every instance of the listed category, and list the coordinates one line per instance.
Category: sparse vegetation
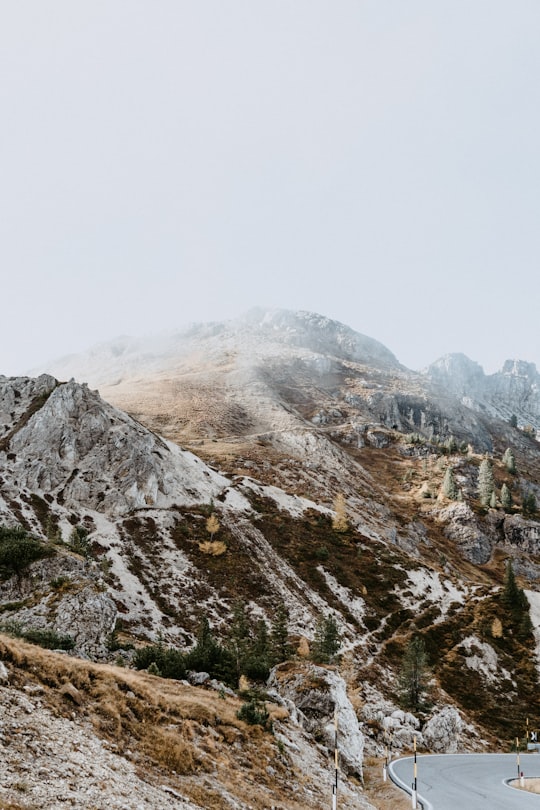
(46, 638)
(18, 549)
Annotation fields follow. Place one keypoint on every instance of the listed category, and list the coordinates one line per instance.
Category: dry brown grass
(531, 785)
(384, 795)
(178, 731)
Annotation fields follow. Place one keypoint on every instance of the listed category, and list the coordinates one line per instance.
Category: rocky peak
(520, 368)
(456, 372)
(513, 390)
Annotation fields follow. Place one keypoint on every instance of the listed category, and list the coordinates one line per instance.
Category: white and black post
(334, 786)
(415, 779)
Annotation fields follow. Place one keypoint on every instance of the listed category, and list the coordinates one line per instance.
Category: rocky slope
(281, 413)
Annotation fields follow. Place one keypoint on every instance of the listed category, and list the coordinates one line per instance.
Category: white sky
(168, 161)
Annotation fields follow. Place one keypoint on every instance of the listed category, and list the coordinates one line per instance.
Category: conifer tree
(414, 674)
(327, 641)
(515, 601)
(279, 636)
(486, 483)
(529, 504)
(449, 488)
(239, 637)
(493, 500)
(506, 497)
(509, 461)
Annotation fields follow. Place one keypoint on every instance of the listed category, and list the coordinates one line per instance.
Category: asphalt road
(469, 781)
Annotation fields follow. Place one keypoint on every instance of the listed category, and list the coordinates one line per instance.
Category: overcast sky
(169, 161)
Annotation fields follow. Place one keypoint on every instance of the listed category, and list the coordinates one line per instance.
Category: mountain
(513, 391)
(269, 423)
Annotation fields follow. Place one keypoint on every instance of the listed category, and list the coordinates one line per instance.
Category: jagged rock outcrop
(462, 526)
(514, 390)
(84, 452)
(66, 595)
(317, 695)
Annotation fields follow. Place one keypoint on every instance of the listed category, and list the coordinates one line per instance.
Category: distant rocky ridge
(513, 391)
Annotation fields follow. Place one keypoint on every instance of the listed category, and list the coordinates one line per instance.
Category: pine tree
(509, 461)
(506, 497)
(529, 504)
(516, 602)
(493, 500)
(258, 657)
(414, 674)
(486, 483)
(449, 488)
(279, 636)
(327, 641)
(239, 637)
(340, 522)
(513, 421)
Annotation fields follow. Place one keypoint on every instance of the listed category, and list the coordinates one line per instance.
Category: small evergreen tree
(529, 504)
(414, 674)
(258, 658)
(209, 656)
(513, 421)
(506, 497)
(509, 461)
(279, 636)
(327, 641)
(515, 601)
(486, 483)
(238, 642)
(449, 488)
(79, 542)
(493, 500)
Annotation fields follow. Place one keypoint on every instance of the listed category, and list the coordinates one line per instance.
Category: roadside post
(385, 766)
(415, 781)
(517, 752)
(334, 786)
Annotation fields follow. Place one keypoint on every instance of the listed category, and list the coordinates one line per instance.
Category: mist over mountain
(341, 485)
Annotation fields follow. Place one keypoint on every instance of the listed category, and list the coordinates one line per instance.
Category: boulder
(442, 733)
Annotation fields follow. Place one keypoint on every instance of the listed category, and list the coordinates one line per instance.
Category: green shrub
(254, 712)
(168, 661)
(18, 549)
(46, 638)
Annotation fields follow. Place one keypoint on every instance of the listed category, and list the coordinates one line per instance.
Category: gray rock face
(443, 732)
(521, 533)
(77, 607)
(513, 390)
(318, 694)
(87, 453)
(464, 529)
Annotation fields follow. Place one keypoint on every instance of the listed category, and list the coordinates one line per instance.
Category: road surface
(469, 781)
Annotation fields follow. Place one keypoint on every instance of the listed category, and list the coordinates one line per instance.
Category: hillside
(266, 422)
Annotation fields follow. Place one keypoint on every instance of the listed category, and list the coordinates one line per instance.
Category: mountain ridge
(266, 438)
